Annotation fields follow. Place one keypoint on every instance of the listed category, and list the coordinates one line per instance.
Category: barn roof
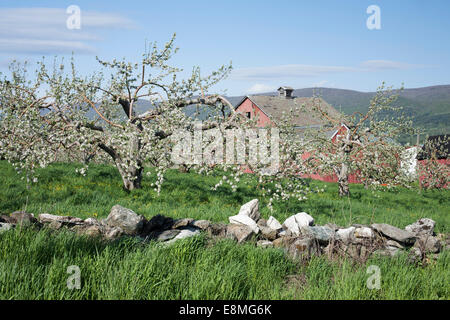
(274, 107)
(437, 147)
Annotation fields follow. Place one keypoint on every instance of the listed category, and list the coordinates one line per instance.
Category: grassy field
(33, 265)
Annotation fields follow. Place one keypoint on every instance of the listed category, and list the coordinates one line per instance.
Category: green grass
(33, 265)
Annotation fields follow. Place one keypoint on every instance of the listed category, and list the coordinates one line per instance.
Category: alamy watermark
(255, 147)
(374, 20)
(74, 280)
(74, 20)
(374, 281)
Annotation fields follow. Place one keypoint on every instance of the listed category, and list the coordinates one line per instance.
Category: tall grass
(33, 265)
(62, 191)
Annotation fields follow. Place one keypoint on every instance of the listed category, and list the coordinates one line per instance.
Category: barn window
(249, 114)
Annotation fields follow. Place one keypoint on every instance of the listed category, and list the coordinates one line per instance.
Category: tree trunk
(131, 178)
(344, 190)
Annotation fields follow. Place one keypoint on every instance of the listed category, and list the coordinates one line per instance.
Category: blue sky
(270, 43)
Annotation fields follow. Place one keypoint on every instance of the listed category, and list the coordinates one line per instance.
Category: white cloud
(260, 88)
(374, 65)
(44, 30)
(301, 70)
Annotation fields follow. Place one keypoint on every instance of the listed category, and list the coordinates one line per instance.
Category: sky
(302, 44)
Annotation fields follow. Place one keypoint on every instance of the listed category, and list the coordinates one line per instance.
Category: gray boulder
(284, 241)
(23, 218)
(422, 227)
(321, 234)
(394, 233)
(240, 233)
(268, 233)
(428, 244)
(126, 219)
(201, 224)
(304, 248)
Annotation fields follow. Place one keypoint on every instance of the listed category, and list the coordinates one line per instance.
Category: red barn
(267, 110)
(436, 149)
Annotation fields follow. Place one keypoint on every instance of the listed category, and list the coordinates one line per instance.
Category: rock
(363, 233)
(93, 231)
(394, 233)
(5, 226)
(303, 247)
(357, 251)
(283, 242)
(422, 227)
(345, 235)
(261, 223)
(251, 209)
(201, 224)
(239, 232)
(320, 233)
(428, 244)
(394, 244)
(244, 220)
(217, 230)
(113, 233)
(91, 221)
(295, 222)
(180, 223)
(268, 233)
(59, 220)
(7, 219)
(264, 244)
(126, 219)
(185, 233)
(274, 224)
(24, 219)
(163, 235)
(388, 251)
(56, 225)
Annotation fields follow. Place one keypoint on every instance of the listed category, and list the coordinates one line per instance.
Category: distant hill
(429, 107)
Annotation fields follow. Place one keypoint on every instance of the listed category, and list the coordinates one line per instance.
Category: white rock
(5, 227)
(364, 232)
(251, 209)
(292, 225)
(273, 223)
(303, 219)
(345, 234)
(246, 221)
(185, 233)
(295, 222)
